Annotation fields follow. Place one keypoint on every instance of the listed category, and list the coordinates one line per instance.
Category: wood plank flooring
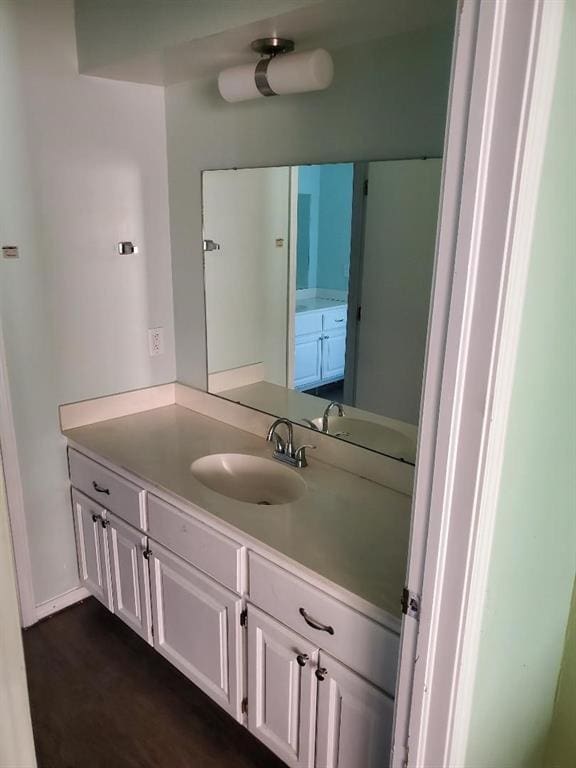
(102, 698)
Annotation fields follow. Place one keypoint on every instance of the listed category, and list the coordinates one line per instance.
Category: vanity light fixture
(278, 72)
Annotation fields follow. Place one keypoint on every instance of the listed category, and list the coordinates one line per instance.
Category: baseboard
(60, 602)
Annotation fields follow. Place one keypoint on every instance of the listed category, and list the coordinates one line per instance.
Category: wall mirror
(317, 282)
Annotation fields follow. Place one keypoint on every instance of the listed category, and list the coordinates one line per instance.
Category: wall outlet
(156, 341)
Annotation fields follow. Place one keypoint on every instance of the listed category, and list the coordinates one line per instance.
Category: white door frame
(502, 83)
(15, 498)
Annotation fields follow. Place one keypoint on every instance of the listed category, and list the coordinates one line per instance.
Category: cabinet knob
(146, 553)
(302, 659)
(105, 523)
(321, 673)
(96, 518)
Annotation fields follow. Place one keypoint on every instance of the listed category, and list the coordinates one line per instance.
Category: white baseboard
(60, 602)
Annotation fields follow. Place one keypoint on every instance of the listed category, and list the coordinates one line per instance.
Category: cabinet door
(333, 355)
(197, 627)
(281, 689)
(307, 360)
(92, 549)
(354, 720)
(130, 580)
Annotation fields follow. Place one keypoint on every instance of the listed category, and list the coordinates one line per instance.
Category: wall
(388, 100)
(533, 559)
(561, 751)
(335, 226)
(245, 212)
(83, 167)
(309, 184)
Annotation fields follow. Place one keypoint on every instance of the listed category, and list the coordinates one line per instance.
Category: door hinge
(410, 604)
(244, 706)
(359, 313)
(243, 617)
(366, 188)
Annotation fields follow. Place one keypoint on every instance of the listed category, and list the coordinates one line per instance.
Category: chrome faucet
(284, 448)
(326, 413)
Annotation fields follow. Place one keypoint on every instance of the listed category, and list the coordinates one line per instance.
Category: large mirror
(318, 281)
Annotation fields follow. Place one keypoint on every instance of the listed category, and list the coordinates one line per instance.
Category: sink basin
(372, 435)
(249, 478)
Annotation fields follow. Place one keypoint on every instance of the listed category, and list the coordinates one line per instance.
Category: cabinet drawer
(203, 547)
(363, 645)
(110, 490)
(335, 318)
(308, 322)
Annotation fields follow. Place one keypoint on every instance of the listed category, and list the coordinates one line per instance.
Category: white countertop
(311, 304)
(349, 530)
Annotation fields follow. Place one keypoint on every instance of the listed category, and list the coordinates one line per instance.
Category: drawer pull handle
(321, 673)
(315, 624)
(302, 658)
(99, 488)
(341, 320)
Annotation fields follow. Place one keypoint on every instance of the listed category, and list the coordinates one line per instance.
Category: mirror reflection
(317, 282)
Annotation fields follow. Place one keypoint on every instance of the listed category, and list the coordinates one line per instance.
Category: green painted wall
(533, 560)
(561, 751)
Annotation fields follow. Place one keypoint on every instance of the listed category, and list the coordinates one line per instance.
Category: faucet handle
(300, 455)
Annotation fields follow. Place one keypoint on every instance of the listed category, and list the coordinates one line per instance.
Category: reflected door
(398, 259)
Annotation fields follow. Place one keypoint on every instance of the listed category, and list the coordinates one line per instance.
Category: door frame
(503, 75)
(15, 497)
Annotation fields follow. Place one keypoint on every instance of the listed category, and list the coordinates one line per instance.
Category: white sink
(371, 434)
(249, 478)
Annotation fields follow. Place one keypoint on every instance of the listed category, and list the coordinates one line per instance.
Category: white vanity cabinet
(354, 725)
(308, 360)
(309, 675)
(111, 563)
(349, 660)
(128, 550)
(92, 548)
(281, 689)
(197, 627)
(320, 346)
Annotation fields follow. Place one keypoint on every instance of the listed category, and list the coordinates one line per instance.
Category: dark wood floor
(102, 698)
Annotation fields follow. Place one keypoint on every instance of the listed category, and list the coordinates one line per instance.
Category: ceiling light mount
(272, 46)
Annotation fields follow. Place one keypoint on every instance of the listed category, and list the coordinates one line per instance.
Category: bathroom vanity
(320, 342)
(285, 614)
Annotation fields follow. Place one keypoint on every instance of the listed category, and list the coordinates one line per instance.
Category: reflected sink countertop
(313, 303)
(349, 530)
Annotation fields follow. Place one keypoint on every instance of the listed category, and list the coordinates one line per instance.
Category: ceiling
(331, 24)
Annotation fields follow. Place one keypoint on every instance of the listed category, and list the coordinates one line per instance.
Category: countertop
(309, 305)
(347, 529)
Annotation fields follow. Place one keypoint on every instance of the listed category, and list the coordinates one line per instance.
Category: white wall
(388, 100)
(83, 166)
(245, 211)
